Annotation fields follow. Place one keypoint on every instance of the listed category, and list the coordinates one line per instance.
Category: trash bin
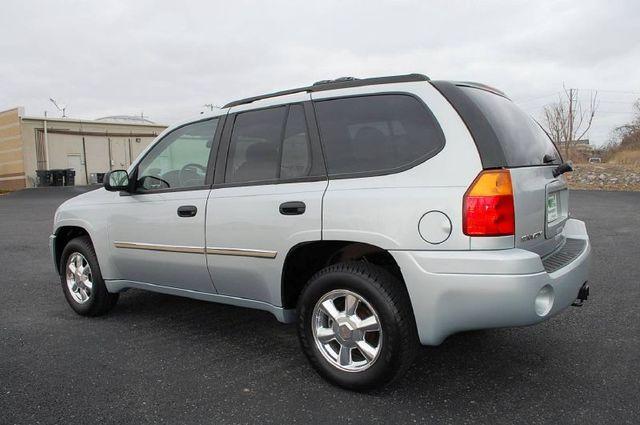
(69, 177)
(44, 178)
(100, 177)
(57, 177)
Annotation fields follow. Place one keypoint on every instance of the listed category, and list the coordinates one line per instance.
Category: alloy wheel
(347, 330)
(79, 278)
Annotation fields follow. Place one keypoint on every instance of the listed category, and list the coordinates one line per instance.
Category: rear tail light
(488, 205)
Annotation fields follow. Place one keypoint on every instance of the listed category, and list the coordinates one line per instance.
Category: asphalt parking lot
(163, 359)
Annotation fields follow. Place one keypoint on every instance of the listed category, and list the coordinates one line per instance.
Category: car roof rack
(338, 83)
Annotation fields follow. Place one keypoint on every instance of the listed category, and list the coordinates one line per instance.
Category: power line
(623, 92)
(630, 92)
(615, 112)
(616, 101)
(537, 97)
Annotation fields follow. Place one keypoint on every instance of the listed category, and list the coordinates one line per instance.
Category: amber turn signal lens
(491, 183)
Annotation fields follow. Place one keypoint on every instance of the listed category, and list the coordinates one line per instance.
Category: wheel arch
(64, 234)
(305, 259)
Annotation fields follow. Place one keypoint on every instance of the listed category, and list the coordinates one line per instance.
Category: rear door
(541, 200)
(267, 197)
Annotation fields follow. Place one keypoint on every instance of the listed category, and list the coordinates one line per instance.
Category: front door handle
(293, 208)
(187, 211)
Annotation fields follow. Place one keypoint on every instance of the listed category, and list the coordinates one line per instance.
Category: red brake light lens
(488, 205)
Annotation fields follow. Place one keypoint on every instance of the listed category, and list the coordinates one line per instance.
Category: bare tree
(628, 135)
(567, 120)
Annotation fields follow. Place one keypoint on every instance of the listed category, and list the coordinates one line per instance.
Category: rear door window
(376, 133)
(296, 151)
(522, 140)
(255, 146)
(268, 145)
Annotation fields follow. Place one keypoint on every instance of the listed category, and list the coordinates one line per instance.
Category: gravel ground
(162, 359)
(607, 176)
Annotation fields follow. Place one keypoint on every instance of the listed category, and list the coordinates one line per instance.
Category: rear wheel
(356, 325)
(82, 281)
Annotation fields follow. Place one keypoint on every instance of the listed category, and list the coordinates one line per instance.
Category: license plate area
(556, 208)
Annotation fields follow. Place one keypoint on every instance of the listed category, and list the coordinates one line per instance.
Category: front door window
(179, 160)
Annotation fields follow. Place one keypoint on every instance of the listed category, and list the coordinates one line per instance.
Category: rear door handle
(293, 208)
(187, 211)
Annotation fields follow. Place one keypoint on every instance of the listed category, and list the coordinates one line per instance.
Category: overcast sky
(168, 59)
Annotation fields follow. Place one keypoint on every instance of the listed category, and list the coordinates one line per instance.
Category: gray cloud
(169, 58)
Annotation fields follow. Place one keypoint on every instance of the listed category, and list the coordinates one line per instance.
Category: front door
(269, 201)
(157, 232)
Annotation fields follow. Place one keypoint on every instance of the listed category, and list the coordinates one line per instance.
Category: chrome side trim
(257, 253)
(158, 247)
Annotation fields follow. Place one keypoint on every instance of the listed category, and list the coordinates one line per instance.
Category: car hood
(93, 197)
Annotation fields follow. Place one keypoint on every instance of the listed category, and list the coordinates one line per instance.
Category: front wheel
(82, 281)
(356, 325)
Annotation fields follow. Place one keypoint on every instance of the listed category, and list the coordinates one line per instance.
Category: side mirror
(116, 181)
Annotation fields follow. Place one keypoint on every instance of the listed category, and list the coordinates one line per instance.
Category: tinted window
(522, 139)
(268, 145)
(296, 152)
(376, 133)
(180, 159)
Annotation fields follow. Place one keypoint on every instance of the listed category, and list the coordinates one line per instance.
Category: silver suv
(378, 214)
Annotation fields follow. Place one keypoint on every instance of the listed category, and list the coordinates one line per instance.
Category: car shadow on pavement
(469, 367)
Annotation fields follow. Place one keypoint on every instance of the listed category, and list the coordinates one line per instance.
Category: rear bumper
(453, 291)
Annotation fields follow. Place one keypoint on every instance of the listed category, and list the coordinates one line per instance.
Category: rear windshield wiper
(562, 168)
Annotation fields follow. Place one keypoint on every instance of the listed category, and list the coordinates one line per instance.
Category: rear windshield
(522, 139)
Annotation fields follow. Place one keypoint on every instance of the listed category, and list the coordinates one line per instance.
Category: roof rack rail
(337, 80)
(338, 83)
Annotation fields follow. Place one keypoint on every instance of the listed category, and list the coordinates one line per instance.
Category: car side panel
(151, 219)
(248, 218)
(90, 211)
(385, 210)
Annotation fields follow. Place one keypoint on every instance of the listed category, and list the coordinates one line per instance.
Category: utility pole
(570, 117)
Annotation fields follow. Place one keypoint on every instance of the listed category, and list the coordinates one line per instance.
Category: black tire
(388, 297)
(100, 300)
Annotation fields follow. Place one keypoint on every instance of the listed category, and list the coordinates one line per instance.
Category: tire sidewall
(83, 247)
(385, 366)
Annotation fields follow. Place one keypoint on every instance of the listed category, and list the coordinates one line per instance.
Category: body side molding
(240, 252)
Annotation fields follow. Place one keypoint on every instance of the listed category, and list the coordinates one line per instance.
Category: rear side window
(268, 145)
(522, 140)
(379, 133)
